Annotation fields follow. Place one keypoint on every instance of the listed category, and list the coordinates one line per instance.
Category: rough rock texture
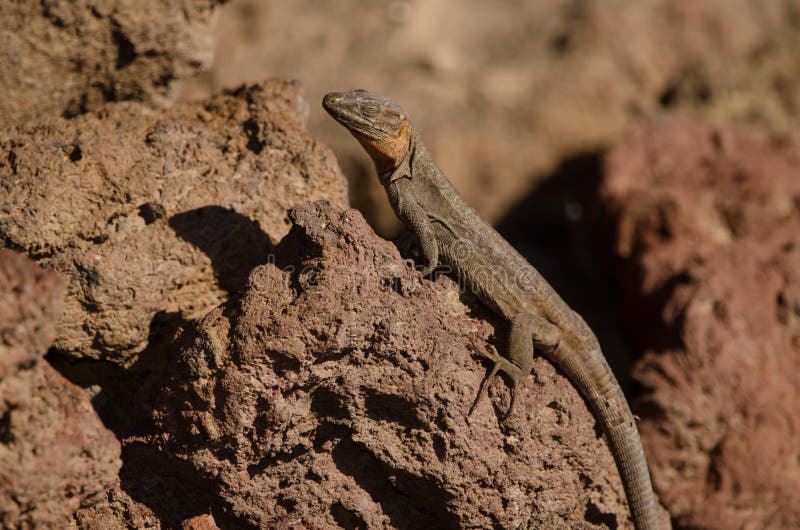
(67, 57)
(201, 522)
(54, 452)
(706, 223)
(32, 300)
(157, 215)
(332, 392)
(116, 510)
(504, 91)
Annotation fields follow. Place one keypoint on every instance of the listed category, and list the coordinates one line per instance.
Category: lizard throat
(387, 152)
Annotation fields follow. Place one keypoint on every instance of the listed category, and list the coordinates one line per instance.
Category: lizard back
(493, 269)
(507, 283)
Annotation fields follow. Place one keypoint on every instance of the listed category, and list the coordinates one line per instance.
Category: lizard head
(380, 125)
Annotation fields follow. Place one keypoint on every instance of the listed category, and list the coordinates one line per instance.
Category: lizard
(448, 229)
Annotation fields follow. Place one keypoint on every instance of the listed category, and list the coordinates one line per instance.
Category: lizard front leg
(528, 331)
(417, 220)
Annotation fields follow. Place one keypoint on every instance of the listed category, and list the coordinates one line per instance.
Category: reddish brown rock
(55, 453)
(69, 57)
(333, 391)
(201, 522)
(707, 223)
(116, 510)
(157, 216)
(32, 300)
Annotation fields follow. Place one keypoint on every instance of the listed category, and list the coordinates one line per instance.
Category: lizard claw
(424, 271)
(500, 364)
(406, 243)
(482, 389)
(429, 268)
(512, 402)
(491, 354)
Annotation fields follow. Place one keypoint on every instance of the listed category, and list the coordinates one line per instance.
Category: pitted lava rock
(200, 522)
(707, 229)
(55, 454)
(32, 300)
(157, 216)
(115, 509)
(333, 392)
(66, 58)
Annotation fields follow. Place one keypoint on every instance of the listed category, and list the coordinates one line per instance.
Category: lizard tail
(591, 372)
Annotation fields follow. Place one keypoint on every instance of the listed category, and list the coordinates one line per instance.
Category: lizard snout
(332, 101)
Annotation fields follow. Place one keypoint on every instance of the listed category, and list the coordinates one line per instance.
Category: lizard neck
(403, 169)
(386, 151)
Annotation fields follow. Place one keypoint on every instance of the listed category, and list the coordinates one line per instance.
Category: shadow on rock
(234, 243)
(556, 228)
(170, 487)
(123, 398)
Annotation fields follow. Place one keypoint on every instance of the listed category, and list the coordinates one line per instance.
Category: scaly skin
(450, 230)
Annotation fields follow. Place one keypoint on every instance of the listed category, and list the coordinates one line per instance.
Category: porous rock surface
(332, 392)
(157, 215)
(115, 509)
(707, 229)
(67, 57)
(32, 300)
(55, 453)
(200, 522)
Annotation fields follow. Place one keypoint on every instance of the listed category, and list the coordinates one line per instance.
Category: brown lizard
(449, 229)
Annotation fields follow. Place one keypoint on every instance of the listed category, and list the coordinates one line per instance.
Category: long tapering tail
(592, 375)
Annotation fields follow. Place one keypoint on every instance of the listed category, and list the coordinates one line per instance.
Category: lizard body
(449, 230)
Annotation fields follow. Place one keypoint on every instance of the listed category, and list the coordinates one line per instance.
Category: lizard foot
(424, 271)
(428, 269)
(501, 364)
(406, 243)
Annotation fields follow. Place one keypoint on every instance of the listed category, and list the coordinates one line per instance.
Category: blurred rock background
(644, 155)
(504, 92)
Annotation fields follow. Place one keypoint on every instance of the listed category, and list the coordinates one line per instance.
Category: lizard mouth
(340, 106)
(331, 102)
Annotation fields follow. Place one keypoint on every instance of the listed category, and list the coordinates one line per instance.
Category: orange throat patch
(387, 152)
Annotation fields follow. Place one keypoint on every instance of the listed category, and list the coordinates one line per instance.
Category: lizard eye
(370, 109)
